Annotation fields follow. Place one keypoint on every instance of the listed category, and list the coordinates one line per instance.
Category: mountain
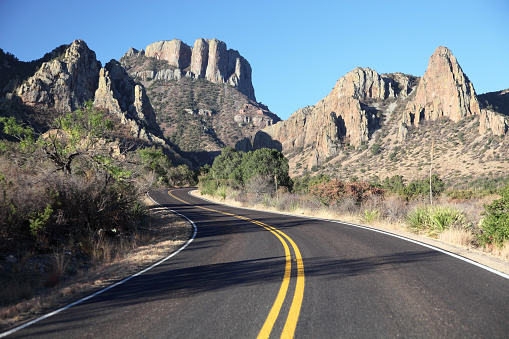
(202, 95)
(69, 77)
(377, 125)
(191, 100)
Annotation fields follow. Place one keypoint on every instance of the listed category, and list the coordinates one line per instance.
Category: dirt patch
(163, 233)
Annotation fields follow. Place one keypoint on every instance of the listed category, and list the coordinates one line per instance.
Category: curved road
(251, 274)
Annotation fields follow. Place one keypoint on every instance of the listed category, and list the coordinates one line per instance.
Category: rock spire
(209, 59)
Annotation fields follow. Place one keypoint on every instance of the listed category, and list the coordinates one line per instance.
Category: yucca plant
(435, 219)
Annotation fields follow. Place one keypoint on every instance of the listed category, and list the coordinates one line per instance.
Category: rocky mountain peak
(444, 91)
(342, 117)
(118, 94)
(364, 106)
(208, 58)
(365, 83)
(65, 82)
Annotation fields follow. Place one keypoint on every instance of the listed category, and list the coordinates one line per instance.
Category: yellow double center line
(293, 314)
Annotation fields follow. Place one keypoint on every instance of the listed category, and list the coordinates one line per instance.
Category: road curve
(252, 274)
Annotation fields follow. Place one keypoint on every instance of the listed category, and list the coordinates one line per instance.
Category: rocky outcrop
(75, 76)
(365, 83)
(443, 91)
(250, 114)
(200, 58)
(340, 118)
(496, 123)
(176, 52)
(118, 94)
(351, 113)
(209, 59)
(65, 82)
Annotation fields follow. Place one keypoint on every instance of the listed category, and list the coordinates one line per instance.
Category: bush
(435, 219)
(495, 225)
(416, 188)
(335, 191)
(371, 215)
(207, 185)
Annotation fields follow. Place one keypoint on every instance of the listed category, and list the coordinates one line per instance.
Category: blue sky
(297, 49)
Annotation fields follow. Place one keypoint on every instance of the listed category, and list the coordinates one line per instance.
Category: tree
(155, 161)
(394, 184)
(422, 187)
(76, 134)
(228, 165)
(267, 162)
(181, 176)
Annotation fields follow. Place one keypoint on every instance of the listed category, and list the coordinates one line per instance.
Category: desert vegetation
(469, 218)
(71, 198)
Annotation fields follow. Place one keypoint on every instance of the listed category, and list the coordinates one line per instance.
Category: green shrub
(39, 219)
(495, 225)
(207, 185)
(375, 149)
(221, 192)
(435, 219)
(371, 215)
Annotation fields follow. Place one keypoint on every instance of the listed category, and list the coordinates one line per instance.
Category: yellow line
(293, 314)
(276, 308)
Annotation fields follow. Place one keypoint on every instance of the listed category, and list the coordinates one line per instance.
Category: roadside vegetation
(71, 200)
(473, 219)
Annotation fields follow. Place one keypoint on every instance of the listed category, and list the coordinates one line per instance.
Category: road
(251, 274)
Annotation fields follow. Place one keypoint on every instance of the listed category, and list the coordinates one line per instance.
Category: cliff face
(363, 102)
(342, 117)
(444, 91)
(65, 82)
(202, 95)
(208, 59)
(118, 94)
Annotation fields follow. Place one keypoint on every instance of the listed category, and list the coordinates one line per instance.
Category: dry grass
(457, 236)
(321, 213)
(164, 233)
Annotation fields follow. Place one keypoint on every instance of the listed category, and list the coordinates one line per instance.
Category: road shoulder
(468, 253)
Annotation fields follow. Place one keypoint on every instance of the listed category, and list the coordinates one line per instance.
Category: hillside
(192, 101)
(202, 95)
(373, 126)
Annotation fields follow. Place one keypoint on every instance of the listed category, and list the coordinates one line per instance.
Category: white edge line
(5, 334)
(454, 255)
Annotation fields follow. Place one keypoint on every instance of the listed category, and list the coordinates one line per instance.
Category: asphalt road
(251, 274)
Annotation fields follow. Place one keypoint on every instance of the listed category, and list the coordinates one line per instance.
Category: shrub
(334, 191)
(371, 215)
(375, 148)
(207, 185)
(221, 192)
(495, 225)
(435, 219)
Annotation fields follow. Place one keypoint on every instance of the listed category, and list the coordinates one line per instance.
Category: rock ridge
(75, 76)
(65, 82)
(362, 101)
(118, 94)
(208, 59)
(344, 117)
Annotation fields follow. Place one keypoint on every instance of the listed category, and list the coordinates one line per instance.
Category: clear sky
(297, 49)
